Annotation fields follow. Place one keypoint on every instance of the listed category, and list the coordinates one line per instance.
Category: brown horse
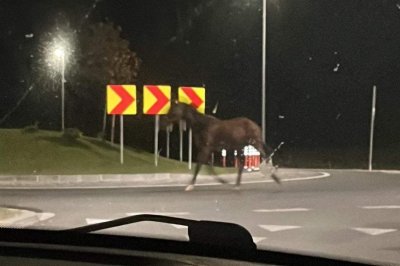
(213, 135)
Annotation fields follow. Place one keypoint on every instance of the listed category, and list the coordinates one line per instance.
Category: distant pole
(104, 121)
(156, 129)
(190, 149)
(371, 139)
(168, 133)
(62, 91)
(121, 140)
(264, 55)
(180, 140)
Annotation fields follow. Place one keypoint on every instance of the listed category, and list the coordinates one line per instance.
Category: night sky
(323, 59)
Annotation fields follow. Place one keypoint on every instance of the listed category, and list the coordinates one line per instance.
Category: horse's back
(242, 122)
(233, 133)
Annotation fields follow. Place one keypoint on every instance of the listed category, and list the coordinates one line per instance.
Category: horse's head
(178, 111)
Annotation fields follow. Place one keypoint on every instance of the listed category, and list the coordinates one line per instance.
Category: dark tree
(105, 57)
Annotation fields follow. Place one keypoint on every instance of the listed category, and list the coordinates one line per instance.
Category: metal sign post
(62, 91)
(167, 137)
(103, 130)
(190, 150)
(182, 127)
(196, 97)
(168, 131)
(121, 100)
(264, 70)
(156, 101)
(371, 139)
(156, 129)
(180, 141)
(121, 140)
(112, 129)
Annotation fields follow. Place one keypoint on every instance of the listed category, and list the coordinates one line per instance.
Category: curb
(142, 180)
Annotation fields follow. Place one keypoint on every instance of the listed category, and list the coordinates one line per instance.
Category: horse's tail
(271, 152)
(268, 150)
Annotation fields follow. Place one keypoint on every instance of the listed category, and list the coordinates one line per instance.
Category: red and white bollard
(257, 160)
(252, 158)
(246, 157)
(236, 159)
(223, 152)
(251, 155)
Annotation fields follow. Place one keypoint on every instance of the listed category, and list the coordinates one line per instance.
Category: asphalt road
(348, 214)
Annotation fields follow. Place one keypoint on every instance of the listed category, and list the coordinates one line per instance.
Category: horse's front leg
(202, 158)
(190, 187)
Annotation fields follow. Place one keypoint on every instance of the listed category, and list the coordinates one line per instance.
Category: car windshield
(277, 115)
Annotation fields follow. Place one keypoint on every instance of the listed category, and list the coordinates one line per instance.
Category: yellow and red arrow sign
(195, 96)
(156, 99)
(121, 99)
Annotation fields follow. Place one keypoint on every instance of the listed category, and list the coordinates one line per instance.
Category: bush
(31, 128)
(72, 134)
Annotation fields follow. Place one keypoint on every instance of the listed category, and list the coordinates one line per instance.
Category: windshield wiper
(200, 232)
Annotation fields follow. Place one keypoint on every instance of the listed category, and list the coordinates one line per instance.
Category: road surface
(348, 214)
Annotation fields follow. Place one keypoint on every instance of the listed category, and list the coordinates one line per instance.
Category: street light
(57, 49)
(264, 55)
(60, 54)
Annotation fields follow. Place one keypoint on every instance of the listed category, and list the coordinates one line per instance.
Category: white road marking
(282, 210)
(257, 239)
(159, 213)
(322, 175)
(45, 215)
(96, 221)
(396, 172)
(381, 207)
(373, 231)
(276, 228)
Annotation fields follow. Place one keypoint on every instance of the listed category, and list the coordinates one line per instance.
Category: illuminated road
(350, 213)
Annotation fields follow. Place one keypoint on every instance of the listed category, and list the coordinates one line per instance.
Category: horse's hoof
(222, 181)
(189, 188)
(276, 179)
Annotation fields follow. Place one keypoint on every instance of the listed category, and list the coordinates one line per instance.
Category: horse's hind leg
(216, 177)
(264, 149)
(240, 171)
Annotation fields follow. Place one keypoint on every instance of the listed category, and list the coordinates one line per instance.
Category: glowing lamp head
(59, 52)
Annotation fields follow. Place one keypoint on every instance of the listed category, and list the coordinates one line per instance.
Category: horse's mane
(197, 120)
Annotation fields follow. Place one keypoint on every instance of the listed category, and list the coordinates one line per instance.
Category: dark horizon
(323, 59)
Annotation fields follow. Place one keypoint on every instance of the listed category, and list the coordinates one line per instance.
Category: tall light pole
(61, 55)
(264, 55)
(371, 138)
